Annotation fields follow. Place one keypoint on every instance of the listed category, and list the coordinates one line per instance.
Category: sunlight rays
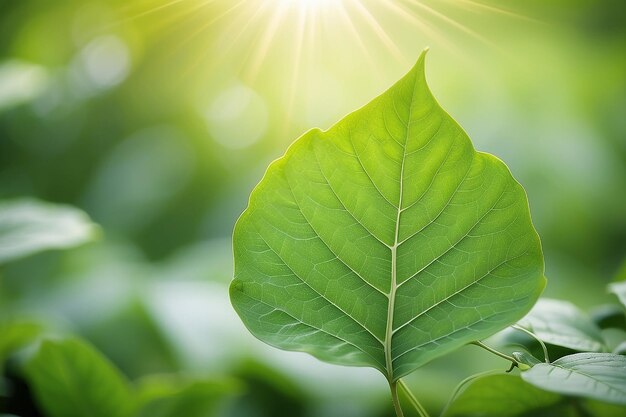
(258, 27)
(283, 46)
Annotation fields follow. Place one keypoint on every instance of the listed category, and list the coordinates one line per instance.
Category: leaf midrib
(394, 257)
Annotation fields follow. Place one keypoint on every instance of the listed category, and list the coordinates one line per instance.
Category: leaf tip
(422, 58)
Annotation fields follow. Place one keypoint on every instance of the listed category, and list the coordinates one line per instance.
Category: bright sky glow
(280, 47)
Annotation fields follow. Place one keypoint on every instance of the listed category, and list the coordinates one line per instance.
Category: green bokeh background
(157, 118)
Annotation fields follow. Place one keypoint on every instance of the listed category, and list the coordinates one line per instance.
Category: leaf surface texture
(385, 241)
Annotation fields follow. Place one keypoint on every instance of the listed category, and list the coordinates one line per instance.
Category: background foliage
(157, 118)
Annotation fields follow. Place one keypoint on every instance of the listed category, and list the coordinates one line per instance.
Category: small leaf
(525, 360)
(601, 376)
(499, 396)
(619, 289)
(561, 323)
(386, 241)
(72, 379)
(30, 226)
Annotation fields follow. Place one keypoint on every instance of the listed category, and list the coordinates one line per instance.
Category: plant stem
(495, 352)
(418, 407)
(394, 397)
(531, 334)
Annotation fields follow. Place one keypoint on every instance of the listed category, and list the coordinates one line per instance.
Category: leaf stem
(394, 397)
(418, 407)
(534, 336)
(495, 352)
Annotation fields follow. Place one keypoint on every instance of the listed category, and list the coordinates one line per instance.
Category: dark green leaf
(609, 315)
(172, 396)
(601, 376)
(386, 241)
(502, 395)
(72, 379)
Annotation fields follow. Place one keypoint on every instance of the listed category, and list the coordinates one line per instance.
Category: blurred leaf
(562, 323)
(72, 379)
(173, 396)
(503, 395)
(15, 335)
(362, 236)
(29, 226)
(619, 289)
(269, 392)
(620, 349)
(609, 315)
(601, 376)
(601, 409)
(515, 339)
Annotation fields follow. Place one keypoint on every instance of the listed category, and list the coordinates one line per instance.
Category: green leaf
(600, 409)
(385, 241)
(29, 226)
(72, 379)
(561, 323)
(601, 376)
(502, 395)
(174, 396)
(14, 335)
(525, 360)
(620, 349)
(619, 289)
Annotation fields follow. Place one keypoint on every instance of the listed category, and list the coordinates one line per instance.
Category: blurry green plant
(68, 377)
(385, 242)
(388, 241)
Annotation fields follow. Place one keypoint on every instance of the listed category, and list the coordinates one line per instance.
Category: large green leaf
(601, 376)
(71, 379)
(386, 241)
(501, 395)
(561, 323)
(29, 226)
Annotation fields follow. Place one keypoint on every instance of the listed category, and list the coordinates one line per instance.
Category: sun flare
(285, 46)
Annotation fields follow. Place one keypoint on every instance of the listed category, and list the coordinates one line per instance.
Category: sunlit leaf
(386, 241)
(72, 379)
(601, 376)
(503, 395)
(561, 323)
(30, 226)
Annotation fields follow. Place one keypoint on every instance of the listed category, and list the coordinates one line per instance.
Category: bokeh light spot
(237, 117)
